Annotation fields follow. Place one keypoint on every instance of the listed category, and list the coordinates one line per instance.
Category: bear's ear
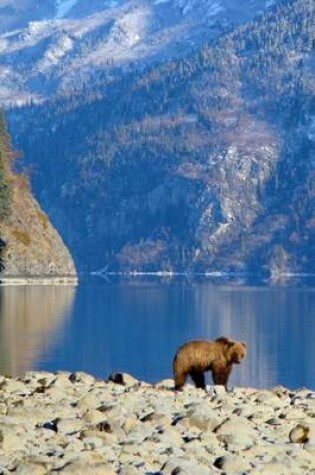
(243, 343)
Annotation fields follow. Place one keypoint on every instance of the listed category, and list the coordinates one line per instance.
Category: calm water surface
(135, 327)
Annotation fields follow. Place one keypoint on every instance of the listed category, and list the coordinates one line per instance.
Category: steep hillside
(30, 246)
(201, 164)
(33, 246)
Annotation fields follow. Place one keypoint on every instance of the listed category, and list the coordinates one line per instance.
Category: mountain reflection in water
(31, 319)
(278, 325)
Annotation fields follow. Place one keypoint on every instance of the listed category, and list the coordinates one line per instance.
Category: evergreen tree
(5, 187)
(2, 246)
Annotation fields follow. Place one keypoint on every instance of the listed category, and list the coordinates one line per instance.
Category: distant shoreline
(74, 280)
(33, 280)
(261, 277)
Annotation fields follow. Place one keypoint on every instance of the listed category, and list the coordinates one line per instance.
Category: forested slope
(205, 163)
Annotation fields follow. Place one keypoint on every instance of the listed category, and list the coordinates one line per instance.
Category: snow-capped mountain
(200, 164)
(59, 45)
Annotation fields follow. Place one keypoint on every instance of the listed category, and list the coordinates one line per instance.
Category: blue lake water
(136, 326)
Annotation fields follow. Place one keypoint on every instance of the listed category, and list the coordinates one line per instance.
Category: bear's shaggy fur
(195, 357)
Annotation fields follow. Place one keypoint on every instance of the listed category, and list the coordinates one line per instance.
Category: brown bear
(193, 358)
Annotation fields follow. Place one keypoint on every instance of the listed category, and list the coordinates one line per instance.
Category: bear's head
(236, 351)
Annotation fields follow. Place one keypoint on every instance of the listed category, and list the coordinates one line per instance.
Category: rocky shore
(73, 424)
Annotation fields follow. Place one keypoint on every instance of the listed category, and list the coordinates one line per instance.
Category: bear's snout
(237, 359)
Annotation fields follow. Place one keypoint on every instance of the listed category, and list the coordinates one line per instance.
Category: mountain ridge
(57, 49)
(200, 164)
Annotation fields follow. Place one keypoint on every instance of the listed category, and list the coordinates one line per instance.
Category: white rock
(275, 468)
(237, 432)
(211, 443)
(310, 445)
(184, 466)
(62, 381)
(232, 464)
(138, 434)
(89, 401)
(220, 390)
(92, 443)
(202, 417)
(165, 384)
(14, 386)
(81, 378)
(169, 437)
(87, 469)
(93, 417)
(30, 469)
(70, 426)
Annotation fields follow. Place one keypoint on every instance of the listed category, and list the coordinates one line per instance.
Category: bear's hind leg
(198, 378)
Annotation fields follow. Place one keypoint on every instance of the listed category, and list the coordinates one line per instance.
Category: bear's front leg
(221, 373)
(179, 379)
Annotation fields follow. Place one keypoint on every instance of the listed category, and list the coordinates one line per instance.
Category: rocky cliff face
(33, 248)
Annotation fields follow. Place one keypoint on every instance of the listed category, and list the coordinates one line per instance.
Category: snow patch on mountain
(63, 7)
(215, 8)
(49, 51)
(210, 7)
(55, 52)
(34, 31)
(129, 29)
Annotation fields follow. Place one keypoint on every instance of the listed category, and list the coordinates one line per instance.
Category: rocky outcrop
(73, 423)
(34, 249)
